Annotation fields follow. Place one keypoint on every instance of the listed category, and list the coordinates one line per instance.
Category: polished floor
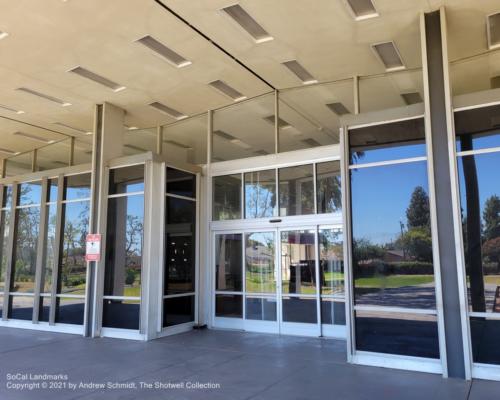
(236, 365)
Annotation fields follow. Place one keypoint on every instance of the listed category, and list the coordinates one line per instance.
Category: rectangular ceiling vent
(230, 138)
(96, 78)
(72, 128)
(227, 90)
(493, 25)
(224, 135)
(2, 107)
(178, 144)
(311, 142)
(338, 108)
(300, 72)
(411, 98)
(8, 152)
(389, 55)
(33, 137)
(159, 49)
(44, 96)
(167, 110)
(361, 9)
(282, 124)
(249, 25)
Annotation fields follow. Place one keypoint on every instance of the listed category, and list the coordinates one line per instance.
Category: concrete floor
(245, 365)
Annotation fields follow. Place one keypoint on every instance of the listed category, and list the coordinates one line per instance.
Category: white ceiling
(47, 38)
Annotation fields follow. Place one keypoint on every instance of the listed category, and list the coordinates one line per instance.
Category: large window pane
(70, 310)
(298, 262)
(126, 180)
(397, 333)
(228, 262)
(181, 183)
(122, 314)
(300, 309)
(73, 267)
(259, 263)
(77, 187)
(392, 244)
(180, 260)
(21, 307)
(399, 140)
(4, 238)
(30, 193)
(26, 243)
(260, 194)
(226, 197)
(296, 190)
(328, 187)
(124, 246)
(331, 261)
(484, 336)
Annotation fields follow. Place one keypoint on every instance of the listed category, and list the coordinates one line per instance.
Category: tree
(418, 242)
(417, 213)
(491, 249)
(491, 217)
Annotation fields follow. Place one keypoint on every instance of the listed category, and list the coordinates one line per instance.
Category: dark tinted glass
(392, 244)
(124, 242)
(296, 190)
(394, 141)
(69, 310)
(21, 307)
(332, 312)
(7, 196)
(180, 260)
(226, 197)
(228, 306)
(52, 190)
(178, 310)
(30, 193)
(181, 183)
(77, 187)
(484, 335)
(261, 308)
(4, 238)
(126, 180)
(328, 187)
(73, 267)
(260, 194)
(123, 314)
(44, 313)
(228, 262)
(26, 244)
(480, 204)
(300, 309)
(477, 129)
(387, 333)
(1, 306)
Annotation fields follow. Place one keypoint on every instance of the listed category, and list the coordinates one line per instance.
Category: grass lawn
(393, 281)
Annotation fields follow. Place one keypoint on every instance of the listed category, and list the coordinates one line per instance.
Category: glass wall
(124, 246)
(392, 259)
(478, 158)
(289, 191)
(179, 288)
(5, 218)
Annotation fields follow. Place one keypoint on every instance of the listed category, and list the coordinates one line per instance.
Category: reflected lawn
(393, 281)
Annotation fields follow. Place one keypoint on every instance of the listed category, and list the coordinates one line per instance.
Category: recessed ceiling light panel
(159, 49)
(31, 136)
(2, 107)
(3, 35)
(388, 54)
(101, 80)
(224, 135)
(338, 108)
(227, 90)
(493, 25)
(282, 124)
(411, 98)
(167, 110)
(300, 72)
(44, 96)
(249, 25)
(361, 9)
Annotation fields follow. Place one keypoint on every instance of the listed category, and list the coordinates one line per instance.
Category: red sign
(93, 248)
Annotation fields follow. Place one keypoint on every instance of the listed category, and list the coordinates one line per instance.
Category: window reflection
(124, 246)
(126, 180)
(298, 262)
(296, 190)
(228, 306)
(30, 193)
(260, 308)
(50, 248)
(392, 244)
(226, 197)
(260, 194)
(77, 187)
(181, 183)
(73, 267)
(4, 238)
(21, 307)
(477, 129)
(228, 262)
(259, 263)
(331, 261)
(328, 187)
